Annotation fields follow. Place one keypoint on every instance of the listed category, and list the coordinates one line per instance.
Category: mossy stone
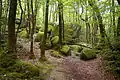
(23, 34)
(55, 54)
(39, 36)
(55, 40)
(88, 54)
(65, 50)
(76, 48)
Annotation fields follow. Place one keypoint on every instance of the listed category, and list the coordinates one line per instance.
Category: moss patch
(88, 54)
(23, 34)
(55, 54)
(39, 36)
(55, 40)
(76, 48)
(65, 50)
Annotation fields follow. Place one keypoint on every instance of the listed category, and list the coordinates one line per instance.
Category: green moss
(65, 50)
(48, 44)
(55, 54)
(7, 59)
(23, 34)
(55, 40)
(39, 36)
(88, 54)
(50, 28)
(76, 48)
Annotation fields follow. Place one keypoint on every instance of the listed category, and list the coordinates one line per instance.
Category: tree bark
(60, 24)
(118, 25)
(99, 17)
(32, 32)
(11, 26)
(45, 32)
(113, 17)
(0, 14)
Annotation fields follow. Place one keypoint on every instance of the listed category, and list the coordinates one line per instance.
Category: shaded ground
(68, 68)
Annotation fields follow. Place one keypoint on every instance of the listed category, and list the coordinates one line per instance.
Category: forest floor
(67, 68)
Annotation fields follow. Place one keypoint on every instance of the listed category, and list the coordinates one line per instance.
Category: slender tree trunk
(32, 32)
(62, 21)
(11, 27)
(0, 14)
(113, 17)
(45, 32)
(87, 29)
(99, 17)
(60, 24)
(28, 10)
(20, 19)
(118, 25)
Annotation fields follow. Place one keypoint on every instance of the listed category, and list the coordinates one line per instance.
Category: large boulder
(88, 54)
(23, 34)
(55, 40)
(76, 48)
(39, 36)
(65, 50)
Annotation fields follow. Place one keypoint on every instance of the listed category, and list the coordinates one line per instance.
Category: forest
(59, 39)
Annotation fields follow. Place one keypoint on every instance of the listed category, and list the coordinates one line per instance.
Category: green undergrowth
(15, 69)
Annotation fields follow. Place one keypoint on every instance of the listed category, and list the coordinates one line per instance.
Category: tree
(11, 26)
(0, 13)
(32, 31)
(99, 17)
(45, 32)
(118, 25)
(60, 24)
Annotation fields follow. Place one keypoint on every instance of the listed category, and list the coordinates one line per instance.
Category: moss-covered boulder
(65, 50)
(39, 36)
(88, 54)
(48, 44)
(55, 54)
(76, 48)
(55, 40)
(23, 34)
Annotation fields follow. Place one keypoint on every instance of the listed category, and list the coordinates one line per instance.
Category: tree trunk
(0, 14)
(118, 25)
(11, 26)
(28, 10)
(99, 17)
(32, 32)
(45, 32)
(113, 17)
(62, 21)
(60, 24)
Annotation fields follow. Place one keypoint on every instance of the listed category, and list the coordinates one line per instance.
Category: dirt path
(69, 68)
(75, 69)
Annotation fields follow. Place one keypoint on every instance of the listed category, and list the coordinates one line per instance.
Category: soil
(68, 68)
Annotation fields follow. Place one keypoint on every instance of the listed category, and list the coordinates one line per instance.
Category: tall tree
(118, 25)
(32, 31)
(0, 13)
(60, 23)
(11, 26)
(113, 17)
(45, 32)
(99, 17)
